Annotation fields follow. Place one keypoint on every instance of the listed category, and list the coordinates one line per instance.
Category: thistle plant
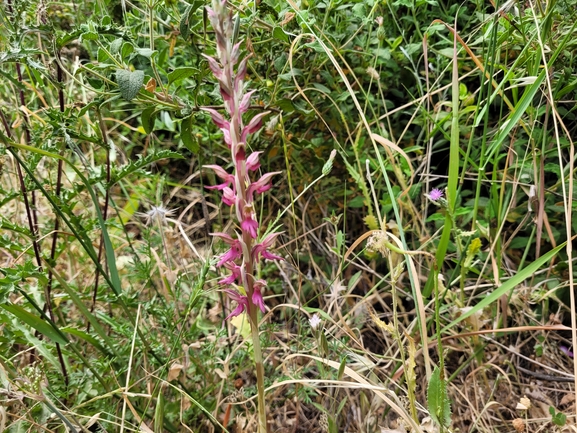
(238, 189)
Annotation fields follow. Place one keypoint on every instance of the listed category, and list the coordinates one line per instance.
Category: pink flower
(245, 103)
(241, 300)
(261, 185)
(257, 295)
(223, 174)
(262, 248)
(564, 349)
(228, 196)
(252, 162)
(254, 125)
(235, 249)
(249, 225)
(235, 273)
(218, 119)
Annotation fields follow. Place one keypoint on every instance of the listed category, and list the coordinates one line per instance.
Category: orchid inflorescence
(238, 190)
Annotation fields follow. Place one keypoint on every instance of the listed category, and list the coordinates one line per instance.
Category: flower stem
(259, 367)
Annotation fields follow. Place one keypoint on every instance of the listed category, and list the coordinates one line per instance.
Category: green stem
(259, 366)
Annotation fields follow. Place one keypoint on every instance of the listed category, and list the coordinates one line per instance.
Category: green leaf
(86, 337)
(438, 399)
(181, 74)
(285, 105)
(146, 52)
(279, 34)
(36, 322)
(89, 36)
(188, 139)
(148, 117)
(187, 17)
(129, 83)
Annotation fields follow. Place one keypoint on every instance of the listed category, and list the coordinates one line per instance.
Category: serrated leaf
(371, 222)
(129, 83)
(438, 399)
(35, 322)
(181, 74)
(89, 36)
(186, 135)
(148, 117)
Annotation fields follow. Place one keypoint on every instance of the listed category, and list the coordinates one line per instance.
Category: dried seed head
(519, 425)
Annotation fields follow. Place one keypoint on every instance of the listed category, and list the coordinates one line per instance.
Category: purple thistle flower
(435, 194)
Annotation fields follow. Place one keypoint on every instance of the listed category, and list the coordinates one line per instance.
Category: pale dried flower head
(315, 321)
(156, 213)
(372, 72)
(519, 425)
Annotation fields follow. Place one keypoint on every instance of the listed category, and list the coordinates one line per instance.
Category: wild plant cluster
(267, 216)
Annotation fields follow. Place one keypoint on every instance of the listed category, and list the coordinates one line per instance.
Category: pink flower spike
(241, 300)
(257, 295)
(252, 162)
(217, 118)
(263, 184)
(254, 125)
(249, 225)
(245, 103)
(228, 196)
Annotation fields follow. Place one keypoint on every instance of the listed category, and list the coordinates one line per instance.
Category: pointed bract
(253, 126)
(218, 119)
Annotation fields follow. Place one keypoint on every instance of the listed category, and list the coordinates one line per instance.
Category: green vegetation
(427, 272)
